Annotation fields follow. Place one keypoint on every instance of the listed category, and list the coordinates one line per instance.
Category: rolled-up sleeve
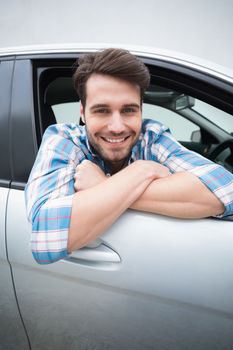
(49, 194)
(220, 182)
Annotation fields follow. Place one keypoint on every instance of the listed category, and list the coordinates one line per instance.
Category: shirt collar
(90, 148)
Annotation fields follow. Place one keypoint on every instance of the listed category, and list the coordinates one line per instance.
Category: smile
(119, 140)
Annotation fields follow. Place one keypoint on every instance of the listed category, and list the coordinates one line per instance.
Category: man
(85, 177)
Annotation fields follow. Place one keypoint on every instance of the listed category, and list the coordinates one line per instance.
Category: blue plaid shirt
(50, 188)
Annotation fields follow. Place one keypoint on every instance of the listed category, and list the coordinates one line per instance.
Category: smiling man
(113, 113)
(85, 177)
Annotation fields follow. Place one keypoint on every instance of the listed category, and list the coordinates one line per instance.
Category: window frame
(26, 111)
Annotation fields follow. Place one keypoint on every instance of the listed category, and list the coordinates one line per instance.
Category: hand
(151, 169)
(87, 175)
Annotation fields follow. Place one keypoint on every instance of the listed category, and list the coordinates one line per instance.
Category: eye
(102, 110)
(129, 110)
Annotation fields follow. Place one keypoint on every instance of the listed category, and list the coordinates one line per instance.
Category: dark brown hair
(117, 63)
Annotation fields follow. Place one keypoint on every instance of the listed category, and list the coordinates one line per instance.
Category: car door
(12, 331)
(149, 282)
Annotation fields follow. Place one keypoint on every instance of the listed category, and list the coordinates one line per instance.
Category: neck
(114, 167)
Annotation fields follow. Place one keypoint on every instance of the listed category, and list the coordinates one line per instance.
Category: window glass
(220, 118)
(67, 112)
(180, 127)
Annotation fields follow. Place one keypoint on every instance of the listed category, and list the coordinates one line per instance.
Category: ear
(82, 113)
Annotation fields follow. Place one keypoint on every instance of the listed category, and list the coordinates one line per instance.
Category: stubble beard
(118, 158)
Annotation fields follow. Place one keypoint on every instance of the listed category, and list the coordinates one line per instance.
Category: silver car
(150, 281)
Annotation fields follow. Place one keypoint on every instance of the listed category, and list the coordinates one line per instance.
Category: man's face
(112, 116)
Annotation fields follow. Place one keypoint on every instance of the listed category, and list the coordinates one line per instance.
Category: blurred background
(201, 28)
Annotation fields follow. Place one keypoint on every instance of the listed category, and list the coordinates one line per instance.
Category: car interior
(174, 108)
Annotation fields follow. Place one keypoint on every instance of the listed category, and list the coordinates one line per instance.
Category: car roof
(189, 61)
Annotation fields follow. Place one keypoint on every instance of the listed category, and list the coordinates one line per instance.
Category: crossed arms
(70, 201)
(143, 185)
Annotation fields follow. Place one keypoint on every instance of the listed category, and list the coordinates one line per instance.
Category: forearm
(181, 195)
(96, 208)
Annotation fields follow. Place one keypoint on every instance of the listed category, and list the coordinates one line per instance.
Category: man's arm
(181, 195)
(198, 187)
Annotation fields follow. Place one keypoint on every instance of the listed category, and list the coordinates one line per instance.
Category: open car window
(193, 121)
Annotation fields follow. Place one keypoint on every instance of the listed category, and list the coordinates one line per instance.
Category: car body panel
(12, 331)
(181, 274)
(11, 328)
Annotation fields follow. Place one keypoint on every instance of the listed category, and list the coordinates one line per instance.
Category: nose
(116, 123)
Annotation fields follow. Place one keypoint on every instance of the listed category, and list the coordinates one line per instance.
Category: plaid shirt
(50, 188)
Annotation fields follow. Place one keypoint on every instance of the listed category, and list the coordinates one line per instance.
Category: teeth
(115, 140)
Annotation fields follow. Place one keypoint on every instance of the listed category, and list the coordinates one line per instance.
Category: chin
(115, 156)
(116, 160)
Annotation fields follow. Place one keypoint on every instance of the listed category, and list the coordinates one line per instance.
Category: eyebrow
(103, 105)
(99, 105)
(132, 105)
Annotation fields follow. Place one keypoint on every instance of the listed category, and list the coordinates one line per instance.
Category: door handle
(101, 253)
